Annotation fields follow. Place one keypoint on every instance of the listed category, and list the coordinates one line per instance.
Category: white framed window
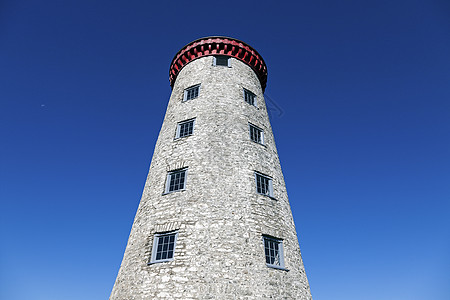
(256, 134)
(176, 180)
(185, 128)
(191, 92)
(249, 97)
(222, 60)
(163, 247)
(273, 249)
(264, 184)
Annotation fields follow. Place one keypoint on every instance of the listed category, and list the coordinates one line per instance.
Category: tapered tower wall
(219, 216)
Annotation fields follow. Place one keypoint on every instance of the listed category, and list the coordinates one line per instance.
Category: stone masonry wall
(219, 216)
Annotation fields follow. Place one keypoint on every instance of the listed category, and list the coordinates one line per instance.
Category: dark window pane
(177, 180)
(165, 247)
(186, 128)
(255, 134)
(249, 97)
(192, 92)
(263, 185)
(222, 61)
(272, 251)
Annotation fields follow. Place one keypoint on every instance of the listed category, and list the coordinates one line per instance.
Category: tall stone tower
(214, 221)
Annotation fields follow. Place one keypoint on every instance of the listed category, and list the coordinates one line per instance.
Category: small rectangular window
(263, 185)
(221, 60)
(273, 249)
(256, 134)
(185, 128)
(191, 93)
(163, 247)
(176, 180)
(249, 97)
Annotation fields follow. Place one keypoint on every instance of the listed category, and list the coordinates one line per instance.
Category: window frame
(179, 124)
(228, 61)
(261, 133)
(186, 90)
(251, 93)
(269, 187)
(279, 241)
(168, 178)
(156, 237)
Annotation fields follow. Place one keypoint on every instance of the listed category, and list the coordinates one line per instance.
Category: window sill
(180, 138)
(277, 267)
(159, 261)
(187, 100)
(254, 105)
(264, 145)
(271, 197)
(166, 193)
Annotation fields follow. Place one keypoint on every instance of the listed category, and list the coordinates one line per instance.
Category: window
(176, 180)
(264, 185)
(249, 97)
(222, 61)
(273, 249)
(191, 93)
(185, 128)
(163, 247)
(256, 134)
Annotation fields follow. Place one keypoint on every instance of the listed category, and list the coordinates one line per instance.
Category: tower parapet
(218, 45)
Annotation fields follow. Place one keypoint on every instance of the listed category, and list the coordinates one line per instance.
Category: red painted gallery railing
(219, 46)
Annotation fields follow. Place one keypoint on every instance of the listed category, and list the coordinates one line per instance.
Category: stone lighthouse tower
(214, 221)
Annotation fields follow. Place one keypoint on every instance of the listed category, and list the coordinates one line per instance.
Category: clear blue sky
(361, 98)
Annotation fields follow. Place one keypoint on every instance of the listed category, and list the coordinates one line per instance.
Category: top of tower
(219, 45)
